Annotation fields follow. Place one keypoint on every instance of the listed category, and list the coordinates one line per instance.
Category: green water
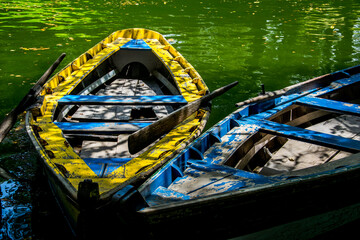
(271, 42)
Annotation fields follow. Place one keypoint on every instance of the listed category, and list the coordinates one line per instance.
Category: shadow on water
(29, 210)
(47, 219)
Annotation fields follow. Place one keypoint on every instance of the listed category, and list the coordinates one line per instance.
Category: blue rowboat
(284, 165)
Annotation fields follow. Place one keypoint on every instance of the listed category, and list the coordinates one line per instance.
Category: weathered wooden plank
(259, 145)
(107, 160)
(306, 135)
(121, 100)
(344, 162)
(117, 127)
(164, 195)
(230, 142)
(201, 179)
(329, 105)
(98, 149)
(296, 155)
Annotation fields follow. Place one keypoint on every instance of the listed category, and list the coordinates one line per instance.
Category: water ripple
(15, 216)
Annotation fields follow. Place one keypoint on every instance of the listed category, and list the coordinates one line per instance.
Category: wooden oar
(150, 133)
(28, 100)
(306, 85)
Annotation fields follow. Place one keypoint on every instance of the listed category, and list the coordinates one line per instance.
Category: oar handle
(27, 100)
(147, 135)
(46, 75)
(30, 97)
(218, 92)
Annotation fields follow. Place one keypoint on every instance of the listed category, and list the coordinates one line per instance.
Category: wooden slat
(294, 155)
(122, 100)
(107, 160)
(305, 135)
(99, 127)
(329, 105)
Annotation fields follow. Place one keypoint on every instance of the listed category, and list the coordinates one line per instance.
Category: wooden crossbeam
(100, 127)
(305, 135)
(122, 100)
(329, 105)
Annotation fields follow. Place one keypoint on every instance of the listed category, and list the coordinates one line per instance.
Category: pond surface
(270, 42)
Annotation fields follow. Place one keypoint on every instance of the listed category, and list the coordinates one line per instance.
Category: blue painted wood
(343, 82)
(124, 193)
(117, 127)
(97, 167)
(197, 157)
(305, 135)
(170, 195)
(267, 109)
(163, 196)
(214, 137)
(219, 152)
(104, 166)
(107, 160)
(195, 153)
(176, 172)
(329, 105)
(136, 44)
(285, 101)
(121, 100)
(165, 176)
(215, 179)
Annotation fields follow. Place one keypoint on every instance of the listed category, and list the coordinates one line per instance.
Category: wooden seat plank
(121, 100)
(98, 127)
(295, 155)
(108, 160)
(329, 105)
(306, 135)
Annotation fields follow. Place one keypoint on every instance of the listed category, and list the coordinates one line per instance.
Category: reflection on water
(275, 43)
(15, 215)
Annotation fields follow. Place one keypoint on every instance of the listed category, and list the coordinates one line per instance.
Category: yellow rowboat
(80, 127)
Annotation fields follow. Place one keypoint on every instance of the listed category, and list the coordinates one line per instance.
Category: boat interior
(285, 138)
(125, 93)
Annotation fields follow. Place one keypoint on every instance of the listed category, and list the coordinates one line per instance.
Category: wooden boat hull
(218, 187)
(248, 212)
(80, 140)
